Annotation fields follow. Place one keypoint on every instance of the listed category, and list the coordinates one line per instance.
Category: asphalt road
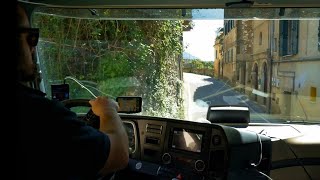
(201, 91)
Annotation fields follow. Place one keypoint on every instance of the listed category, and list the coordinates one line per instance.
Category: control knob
(199, 165)
(166, 158)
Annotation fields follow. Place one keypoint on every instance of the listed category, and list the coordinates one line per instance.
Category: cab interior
(229, 145)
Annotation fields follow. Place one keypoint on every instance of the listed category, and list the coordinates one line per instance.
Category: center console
(184, 150)
(188, 150)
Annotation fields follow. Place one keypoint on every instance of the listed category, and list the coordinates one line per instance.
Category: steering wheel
(90, 118)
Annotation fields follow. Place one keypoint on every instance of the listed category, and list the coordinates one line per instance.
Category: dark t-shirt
(53, 143)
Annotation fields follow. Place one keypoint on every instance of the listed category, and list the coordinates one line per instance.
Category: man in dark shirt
(53, 143)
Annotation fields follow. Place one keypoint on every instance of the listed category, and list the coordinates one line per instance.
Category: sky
(200, 40)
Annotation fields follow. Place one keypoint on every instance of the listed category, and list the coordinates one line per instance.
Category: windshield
(181, 61)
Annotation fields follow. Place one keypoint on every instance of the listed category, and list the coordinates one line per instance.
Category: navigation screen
(60, 92)
(186, 140)
(129, 104)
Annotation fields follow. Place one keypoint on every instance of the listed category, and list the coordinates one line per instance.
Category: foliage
(198, 66)
(127, 57)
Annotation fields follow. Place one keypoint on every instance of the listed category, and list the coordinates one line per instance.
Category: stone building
(237, 46)
(295, 65)
(275, 62)
(218, 47)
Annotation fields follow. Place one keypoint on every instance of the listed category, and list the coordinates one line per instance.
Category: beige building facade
(296, 66)
(218, 48)
(276, 63)
(244, 50)
(261, 63)
(237, 59)
(229, 53)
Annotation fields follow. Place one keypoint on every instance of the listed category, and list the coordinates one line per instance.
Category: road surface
(201, 91)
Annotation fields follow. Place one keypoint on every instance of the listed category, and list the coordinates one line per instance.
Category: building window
(289, 37)
(226, 57)
(260, 38)
(313, 94)
(228, 26)
(231, 55)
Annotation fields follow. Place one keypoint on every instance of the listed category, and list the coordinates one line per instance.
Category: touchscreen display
(60, 92)
(130, 104)
(187, 140)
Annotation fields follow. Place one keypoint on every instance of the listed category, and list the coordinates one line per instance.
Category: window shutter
(283, 49)
(319, 36)
(295, 36)
(280, 38)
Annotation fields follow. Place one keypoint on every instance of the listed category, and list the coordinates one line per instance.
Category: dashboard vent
(153, 128)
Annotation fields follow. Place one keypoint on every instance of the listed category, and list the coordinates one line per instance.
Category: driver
(52, 142)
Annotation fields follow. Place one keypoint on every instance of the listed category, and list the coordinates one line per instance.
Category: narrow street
(201, 91)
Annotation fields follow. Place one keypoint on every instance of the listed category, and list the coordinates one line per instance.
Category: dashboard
(166, 149)
(162, 148)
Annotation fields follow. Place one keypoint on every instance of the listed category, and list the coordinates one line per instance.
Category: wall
(261, 34)
(218, 58)
(295, 75)
(229, 42)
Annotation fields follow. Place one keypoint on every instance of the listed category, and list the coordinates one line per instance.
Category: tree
(108, 50)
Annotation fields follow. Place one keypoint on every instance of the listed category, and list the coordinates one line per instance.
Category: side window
(260, 38)
(289, 37)
(231, 55)
(225, 57)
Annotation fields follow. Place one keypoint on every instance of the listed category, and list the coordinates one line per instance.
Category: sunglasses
(32, 37)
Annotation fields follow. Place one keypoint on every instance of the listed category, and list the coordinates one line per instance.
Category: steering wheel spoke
(90, 117)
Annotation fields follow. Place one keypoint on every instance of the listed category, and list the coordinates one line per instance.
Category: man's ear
(38, 78)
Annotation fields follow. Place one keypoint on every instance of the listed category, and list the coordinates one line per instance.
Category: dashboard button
(138, 165)
(166, 158)
(216, 140)
(199, 165)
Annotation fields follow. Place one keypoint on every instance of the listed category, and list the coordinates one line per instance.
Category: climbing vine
(123, 57)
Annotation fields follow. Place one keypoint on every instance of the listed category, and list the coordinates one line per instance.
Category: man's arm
(112, 125)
